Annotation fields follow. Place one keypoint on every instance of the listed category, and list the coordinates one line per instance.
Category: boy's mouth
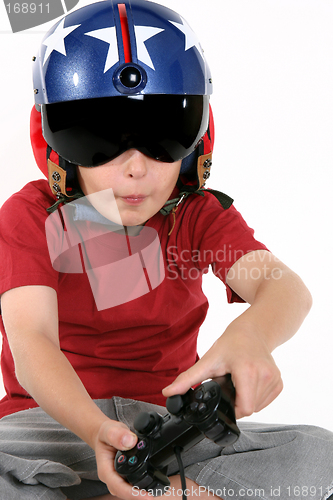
(134, 199)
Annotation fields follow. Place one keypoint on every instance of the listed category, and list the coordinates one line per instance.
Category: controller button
(193, 407)
(199, 395)
(141, 445)
(158, 488)
(202, 408)
(144, 482)
(227, 439)
(133, 460)
(215, 431)
(207, 396)
(121, 459)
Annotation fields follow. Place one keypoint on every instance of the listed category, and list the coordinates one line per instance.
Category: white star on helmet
(142, 34)
(109, 36)
(56, 41)
(191, 39)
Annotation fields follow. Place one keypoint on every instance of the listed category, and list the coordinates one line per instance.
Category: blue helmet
(114, 48)
(100, 54)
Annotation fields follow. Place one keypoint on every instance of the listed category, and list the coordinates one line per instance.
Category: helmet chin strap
(57, 181)
(204, 164)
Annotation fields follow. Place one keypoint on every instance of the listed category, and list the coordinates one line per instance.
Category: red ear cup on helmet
(210, 134)
(204, 154)
(38, 143)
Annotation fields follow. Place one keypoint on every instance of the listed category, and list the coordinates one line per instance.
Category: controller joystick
(146, 422)
(175, 404)
(206, 411)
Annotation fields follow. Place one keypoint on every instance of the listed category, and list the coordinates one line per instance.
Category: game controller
(206, 411)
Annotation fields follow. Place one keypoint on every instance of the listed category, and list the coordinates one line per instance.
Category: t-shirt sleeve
(24, 255)
(225, 238)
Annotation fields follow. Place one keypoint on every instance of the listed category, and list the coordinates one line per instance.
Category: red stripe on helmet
(125, 32)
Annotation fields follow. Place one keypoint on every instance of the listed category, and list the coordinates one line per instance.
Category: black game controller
(206, 411)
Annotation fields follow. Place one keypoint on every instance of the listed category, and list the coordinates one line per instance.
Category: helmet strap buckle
(57, 179)
(203, 168)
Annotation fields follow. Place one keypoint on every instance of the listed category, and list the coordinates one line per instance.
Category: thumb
(193, 376)
(118, 435)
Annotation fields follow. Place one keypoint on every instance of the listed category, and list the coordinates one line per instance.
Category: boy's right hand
(111, 437)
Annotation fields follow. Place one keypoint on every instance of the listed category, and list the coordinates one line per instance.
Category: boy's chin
(134, 224)
(133, 221)
(135, 218)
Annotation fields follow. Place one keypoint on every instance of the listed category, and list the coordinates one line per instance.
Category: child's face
(141, 185)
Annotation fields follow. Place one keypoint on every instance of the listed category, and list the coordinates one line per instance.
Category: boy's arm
(30, 316)
(279, 303)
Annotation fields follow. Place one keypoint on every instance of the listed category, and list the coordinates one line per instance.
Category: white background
(271, 62)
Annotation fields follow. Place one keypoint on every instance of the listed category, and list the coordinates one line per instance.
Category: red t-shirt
(134, 347)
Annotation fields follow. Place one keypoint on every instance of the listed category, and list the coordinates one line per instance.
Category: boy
(122, 93)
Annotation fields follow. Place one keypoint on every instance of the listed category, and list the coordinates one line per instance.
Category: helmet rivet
(206, 175)
(34, 58)
(207, 164)
(56, 187)
(56, 176)
(35, 91)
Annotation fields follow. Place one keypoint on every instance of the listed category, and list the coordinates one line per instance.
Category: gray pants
(40, 459)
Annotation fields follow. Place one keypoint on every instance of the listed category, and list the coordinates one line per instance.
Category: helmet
(116, 75)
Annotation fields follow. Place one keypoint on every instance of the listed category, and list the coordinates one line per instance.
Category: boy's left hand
(279, 303)
(256, 377)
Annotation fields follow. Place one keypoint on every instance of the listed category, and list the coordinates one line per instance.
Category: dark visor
(91, 132)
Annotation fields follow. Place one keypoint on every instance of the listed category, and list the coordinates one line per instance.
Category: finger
(193, 376)
(269, 386)
(246, 386)
(255, 389)
(120, 488)
(270, 395)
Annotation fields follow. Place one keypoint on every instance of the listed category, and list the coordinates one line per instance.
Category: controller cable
(178, 450)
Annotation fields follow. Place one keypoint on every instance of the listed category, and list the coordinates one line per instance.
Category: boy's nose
(137, 164)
